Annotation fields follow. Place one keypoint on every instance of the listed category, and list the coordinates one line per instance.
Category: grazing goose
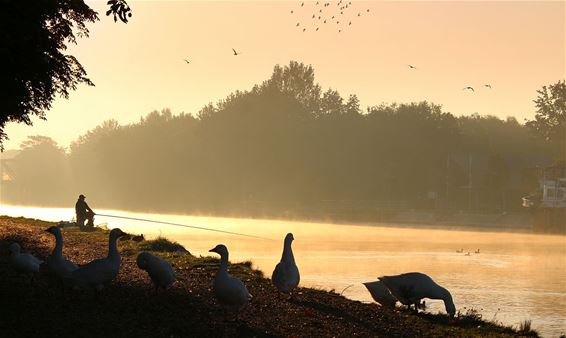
(138, 238)
(229, 290)
(56, 264)
(286, 274)
(159, 270)
(410, 288)
(381, 294)
(23, 262)
(99, 272)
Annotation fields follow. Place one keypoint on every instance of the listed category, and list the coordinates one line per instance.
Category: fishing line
(184, 225)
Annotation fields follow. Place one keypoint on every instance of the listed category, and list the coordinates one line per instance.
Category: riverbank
(127, 308)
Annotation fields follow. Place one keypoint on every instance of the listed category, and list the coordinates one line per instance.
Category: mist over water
(513, 278)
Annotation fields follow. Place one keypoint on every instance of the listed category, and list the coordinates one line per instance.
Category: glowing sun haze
(517, 47)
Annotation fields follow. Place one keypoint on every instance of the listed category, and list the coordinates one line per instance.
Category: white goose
(229, 290)
(159, 270)
(380, 293)
(286, 275)
(23, 262)
(56, 264)
(410, 288)
(99, 272)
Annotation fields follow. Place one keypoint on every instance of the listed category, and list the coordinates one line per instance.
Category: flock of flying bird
(328, 14)
(230, 292)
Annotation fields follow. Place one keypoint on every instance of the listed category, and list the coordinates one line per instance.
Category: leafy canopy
(550, 118)
(33, 65)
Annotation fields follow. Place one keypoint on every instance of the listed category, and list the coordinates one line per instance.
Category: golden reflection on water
(514, 277)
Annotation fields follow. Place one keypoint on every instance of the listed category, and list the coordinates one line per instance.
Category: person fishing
(84, 212)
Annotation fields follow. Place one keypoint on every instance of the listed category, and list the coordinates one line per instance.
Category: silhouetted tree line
(285, 147)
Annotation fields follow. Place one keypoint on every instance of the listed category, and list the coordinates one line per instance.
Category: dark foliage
(34, 67)
(550, 119)
(119, 9)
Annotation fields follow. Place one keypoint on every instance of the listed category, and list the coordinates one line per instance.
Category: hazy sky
(515, 46)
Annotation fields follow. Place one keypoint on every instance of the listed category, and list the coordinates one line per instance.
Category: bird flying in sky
(470, 88)
(412, 67)
(235, 53)
(487, 85)
(187, 61)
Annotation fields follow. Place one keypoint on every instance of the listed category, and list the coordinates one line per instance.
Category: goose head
(289, 238)
(142, 260)
(115, 233)
(449, 305)
(448, 301)
(14, 248)
(53, 230)
(220, 249)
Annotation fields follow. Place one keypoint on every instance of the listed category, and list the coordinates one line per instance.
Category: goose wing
(230, 291)
(60, 267)
(96, 273)
(411, 287)
(380, 293)
(162, 273)
(25, 262)
(286, 276)
(398, 287)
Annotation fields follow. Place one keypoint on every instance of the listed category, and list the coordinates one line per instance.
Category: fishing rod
(185, 225)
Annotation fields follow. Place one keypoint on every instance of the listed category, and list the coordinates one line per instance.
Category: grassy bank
(128, 308)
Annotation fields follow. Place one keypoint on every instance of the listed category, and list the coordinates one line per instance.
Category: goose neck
(287, 255)
(112, 247)
(224, 262)
(58, 250)
(448, 301)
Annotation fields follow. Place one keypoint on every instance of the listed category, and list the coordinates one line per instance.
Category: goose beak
(213, 250)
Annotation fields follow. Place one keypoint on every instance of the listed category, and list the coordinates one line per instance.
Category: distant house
(554, 187)
(550, 206)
